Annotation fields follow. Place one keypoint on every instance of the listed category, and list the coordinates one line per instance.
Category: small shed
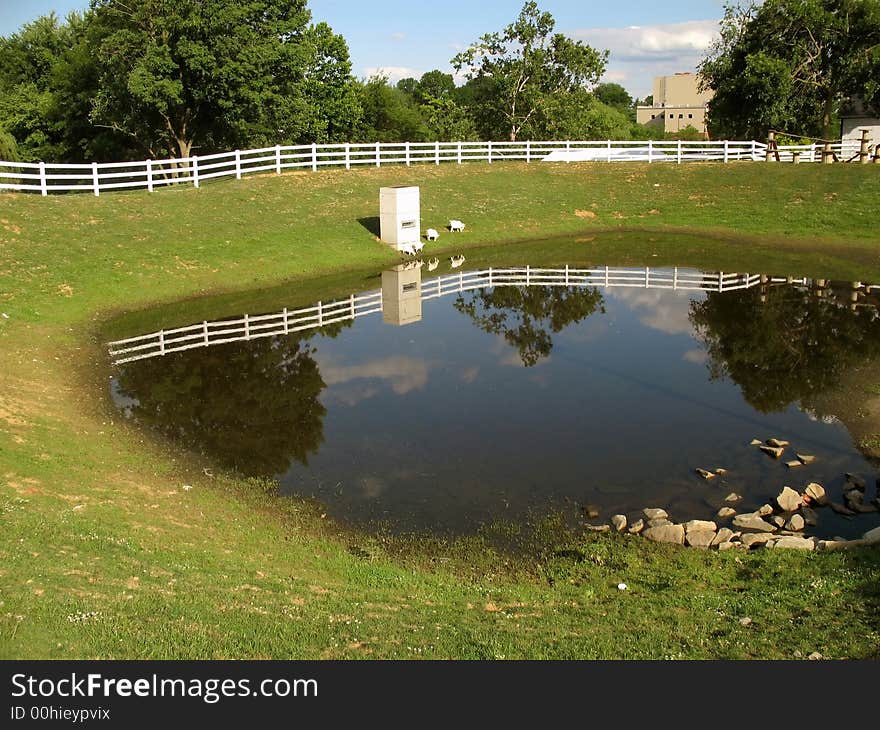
(399, 215)
(402, 294)
(855, 116)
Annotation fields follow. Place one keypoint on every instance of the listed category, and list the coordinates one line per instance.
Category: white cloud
(402, 373)
(394, 73)
(398, 36)
(697, 356)
(660, 310)
(639, 53)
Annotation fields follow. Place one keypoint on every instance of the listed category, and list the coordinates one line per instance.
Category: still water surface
(505, 401)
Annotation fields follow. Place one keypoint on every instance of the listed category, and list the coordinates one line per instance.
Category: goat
(456, 226)
(417, 246)
(431, 234)
(456, 261)
(433, 264)
(406, 248)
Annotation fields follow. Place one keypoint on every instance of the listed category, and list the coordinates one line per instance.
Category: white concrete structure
(402, 295)
(856, 116)
(399, 216)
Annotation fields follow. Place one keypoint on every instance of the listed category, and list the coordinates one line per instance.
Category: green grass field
(104, 554)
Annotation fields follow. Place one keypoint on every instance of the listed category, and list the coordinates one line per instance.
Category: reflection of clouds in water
(590, 330)
(403, 373)
(666, 311)
(351, 395)
(470, 375)
(373, 487)
(697, 356)
(509, 356)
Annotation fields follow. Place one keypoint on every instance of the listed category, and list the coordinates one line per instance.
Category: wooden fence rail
(98, 177)
(287, 321)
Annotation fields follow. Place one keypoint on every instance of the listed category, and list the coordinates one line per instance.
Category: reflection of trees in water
(788, 348)
(526, 315)
(253, 406)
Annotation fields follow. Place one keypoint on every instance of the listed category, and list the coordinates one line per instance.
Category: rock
(815, 656)
(840, 509)
(839, 544)
(872, 537)
(866, 508)
(794, 542)
(853, 499)
(707, 475)
(752, 521)
(788, 500)
(666, 533)
(756, 442)
(598, 528)
(659, 522)
(726, 545)
(811, 517)
(816, 492)
(732, 497)
(778, 520)
(725, 512)
(700, 538)
(724, 535)
(795, 523)
(778, 443)
(856, 481)
(793, 464)
(699, 525)
(591, 511)
(653, 513)
(720, 471)
(745, 621)
(636, 527)
(774, 451)
(619, 522)
(764, 510)
(806, 458)
(752, 539)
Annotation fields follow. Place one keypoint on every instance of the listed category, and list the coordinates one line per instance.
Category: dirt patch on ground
(588, 214)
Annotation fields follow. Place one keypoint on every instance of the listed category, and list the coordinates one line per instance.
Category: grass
(104, 554)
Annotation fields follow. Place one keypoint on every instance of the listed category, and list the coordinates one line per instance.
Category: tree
(389, 114)
(8, 148)
(789, 64)
(529, 64)
(579, 115)
(211, 74)
(434, 85)
(615, 96)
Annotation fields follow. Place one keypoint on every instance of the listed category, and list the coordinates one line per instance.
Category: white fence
(98, 177)
(249, 327)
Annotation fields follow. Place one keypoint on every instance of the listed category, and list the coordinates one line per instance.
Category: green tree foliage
(789, 347)
(789, 64)
(615, 96)
(8, 147)
(529, 65)
(526, 316)
(579, 115)
(389, 114)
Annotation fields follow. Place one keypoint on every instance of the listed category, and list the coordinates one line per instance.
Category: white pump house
(399, 216)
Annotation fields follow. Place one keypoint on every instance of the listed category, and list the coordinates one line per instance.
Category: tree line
(129, 79)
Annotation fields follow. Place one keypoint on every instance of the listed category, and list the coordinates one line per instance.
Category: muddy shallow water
(456, 398)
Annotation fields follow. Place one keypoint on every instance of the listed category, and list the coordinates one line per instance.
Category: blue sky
(409, 37)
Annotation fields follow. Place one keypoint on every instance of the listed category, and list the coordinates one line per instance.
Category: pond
(444, 400)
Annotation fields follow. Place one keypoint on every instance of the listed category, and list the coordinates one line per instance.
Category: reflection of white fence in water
(287, 321)
(98, 177)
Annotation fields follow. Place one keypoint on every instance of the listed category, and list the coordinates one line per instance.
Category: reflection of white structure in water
(403, 291)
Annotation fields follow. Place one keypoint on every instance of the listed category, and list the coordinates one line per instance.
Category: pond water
(453, 400)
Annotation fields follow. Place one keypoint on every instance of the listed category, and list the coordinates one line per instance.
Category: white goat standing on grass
(431, 234)
(456, 226)
(456, 261)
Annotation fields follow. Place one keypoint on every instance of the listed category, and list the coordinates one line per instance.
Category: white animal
(431, 234)
(411, 265)
(433, 264)
(455, 225)
(406, 248)
(418, 246)
(456, 261)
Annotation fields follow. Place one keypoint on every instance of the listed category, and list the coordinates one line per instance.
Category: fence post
(437, 152)
(43, 184)
(459, 153)
(150, 175)
(406, 147)
(863, 148)
(347, 156)
(195, 170)
(528, 150)
(650, 151)
(277, 159)
(490, 151)
(238, 164)
(378, 154)
(568, 151)
(314, 157)
(679, 153)
(726, 151)
(608, 143)
(95, 185)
